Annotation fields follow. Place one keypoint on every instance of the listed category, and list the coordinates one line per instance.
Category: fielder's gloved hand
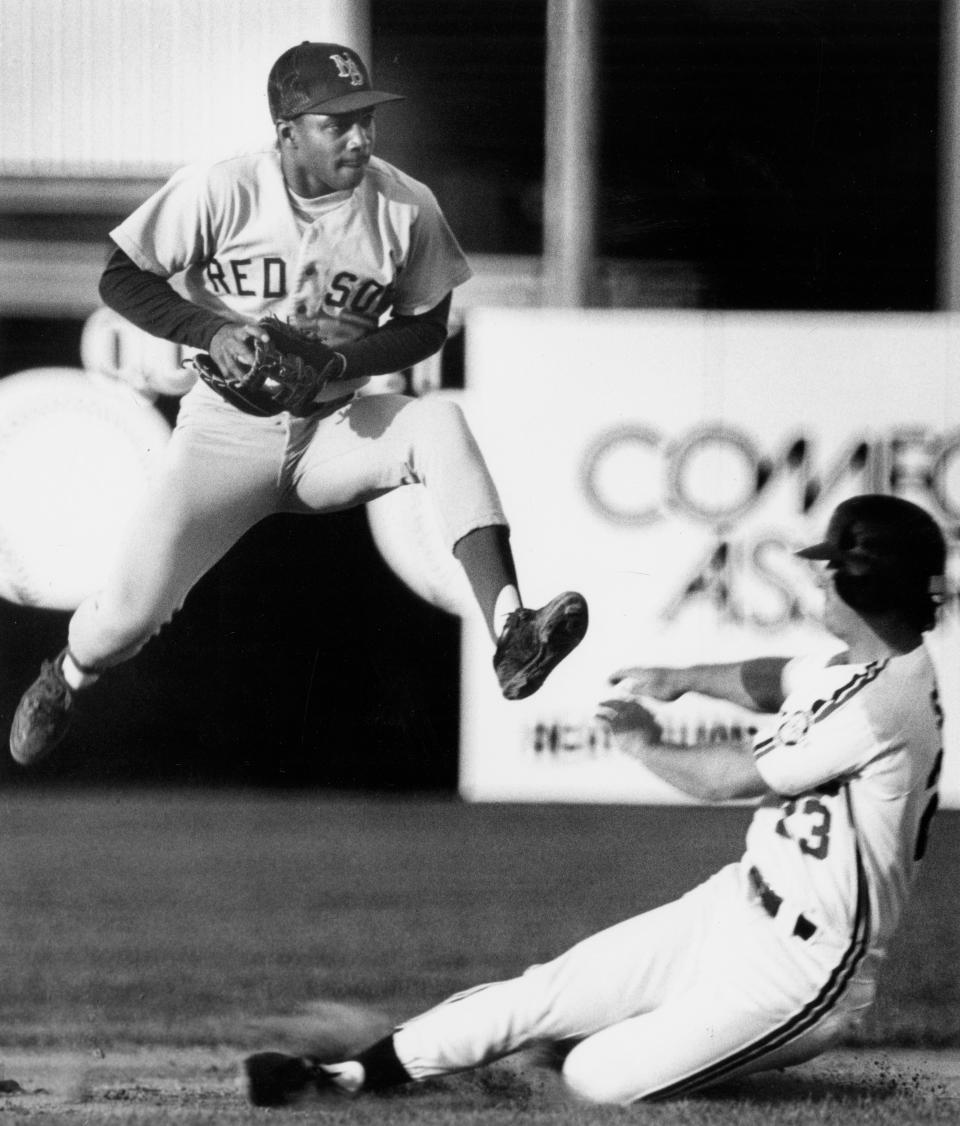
(288, 373)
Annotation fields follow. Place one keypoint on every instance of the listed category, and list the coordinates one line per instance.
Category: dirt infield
(101, 1084)
(201, 1084)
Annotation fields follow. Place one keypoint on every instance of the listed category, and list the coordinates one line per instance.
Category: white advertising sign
(668, 466)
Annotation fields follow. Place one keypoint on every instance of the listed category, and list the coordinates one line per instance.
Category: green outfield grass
(167, 921)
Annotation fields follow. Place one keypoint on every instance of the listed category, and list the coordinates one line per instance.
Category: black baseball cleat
(277, 1079)
(534, 642)
(43, 715)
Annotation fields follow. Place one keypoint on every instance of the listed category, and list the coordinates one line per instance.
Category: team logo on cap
(792, 728)
(347, 68)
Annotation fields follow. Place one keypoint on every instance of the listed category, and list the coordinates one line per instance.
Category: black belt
(771, 903)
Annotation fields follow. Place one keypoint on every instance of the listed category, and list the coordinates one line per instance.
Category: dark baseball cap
(321, 78)
(876, 534)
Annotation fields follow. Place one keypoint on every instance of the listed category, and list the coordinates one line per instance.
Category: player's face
(327, 152)
(838, 617)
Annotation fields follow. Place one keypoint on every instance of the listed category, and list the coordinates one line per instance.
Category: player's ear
(285, 132)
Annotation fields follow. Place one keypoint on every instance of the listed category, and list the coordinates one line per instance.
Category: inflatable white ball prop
(111, 345)
(76, 454)
(407, 534)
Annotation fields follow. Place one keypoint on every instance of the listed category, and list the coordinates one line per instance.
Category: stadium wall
(668, 465)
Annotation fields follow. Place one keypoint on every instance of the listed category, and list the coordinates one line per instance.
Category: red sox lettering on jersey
(267, 278)
(244, 242)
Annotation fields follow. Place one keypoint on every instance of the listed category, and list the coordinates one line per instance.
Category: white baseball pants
(225, 471)
(671, 1001)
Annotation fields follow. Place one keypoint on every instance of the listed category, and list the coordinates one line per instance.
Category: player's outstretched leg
(43, 715)
(534, 642)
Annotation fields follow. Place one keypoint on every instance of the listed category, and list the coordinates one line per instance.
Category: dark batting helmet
(886, 554)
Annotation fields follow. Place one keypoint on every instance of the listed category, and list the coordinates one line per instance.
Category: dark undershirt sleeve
(400, 343)
(151, 303)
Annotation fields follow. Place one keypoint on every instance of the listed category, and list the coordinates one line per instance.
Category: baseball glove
(288, 372)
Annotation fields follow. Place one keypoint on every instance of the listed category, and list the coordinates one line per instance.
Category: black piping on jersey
(821, 709)
(803, 1020)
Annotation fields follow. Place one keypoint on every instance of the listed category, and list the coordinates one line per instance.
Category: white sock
(348, 1076)
(508, 600)
(76, 677)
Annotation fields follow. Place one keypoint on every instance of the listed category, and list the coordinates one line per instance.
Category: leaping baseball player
(309, 267)
(773, 959)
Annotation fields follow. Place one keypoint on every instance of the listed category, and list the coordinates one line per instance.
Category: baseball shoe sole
(43, 715)
(534, 642)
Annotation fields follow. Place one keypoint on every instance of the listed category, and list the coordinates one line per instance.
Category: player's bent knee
(589, 1083)
(437, 415)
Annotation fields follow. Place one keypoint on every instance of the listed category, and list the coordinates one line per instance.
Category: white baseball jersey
(246, 245)
(855, 755)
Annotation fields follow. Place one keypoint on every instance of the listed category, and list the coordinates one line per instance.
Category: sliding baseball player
(775, 958)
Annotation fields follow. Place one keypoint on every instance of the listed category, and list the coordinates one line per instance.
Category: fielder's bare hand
(625, 716)
(232, 348)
